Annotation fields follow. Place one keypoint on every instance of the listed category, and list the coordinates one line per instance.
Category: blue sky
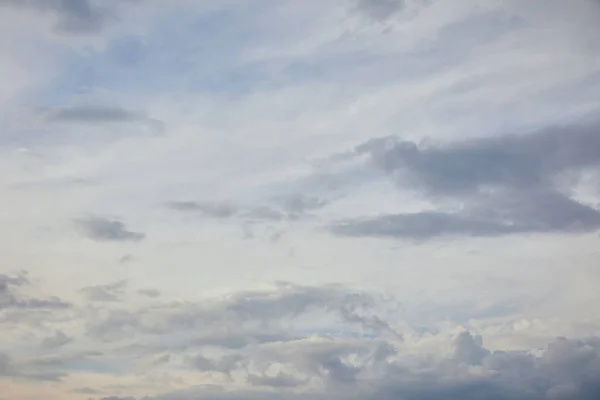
(242, 199)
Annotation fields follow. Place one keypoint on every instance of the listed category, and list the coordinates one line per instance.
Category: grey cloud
(11, 298)
(281, 380)
(212, 209)
(106, 293)
(59, 339)
(243, 318)
(100, 114)
(29, 371)
(300, 203)
(153, 293)
(512, 161)
(93, 114)
(75, 16)
(566, 370)
(104, 229)
(520, 212)
(508, 184)
(87, 390)
(224, 365)
(379, 10)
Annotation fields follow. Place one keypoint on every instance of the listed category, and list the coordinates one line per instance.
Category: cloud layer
(282, 199)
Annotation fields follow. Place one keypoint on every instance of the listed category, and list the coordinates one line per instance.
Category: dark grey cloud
(74, 16)
(471, 166)
(508, 185)
(106, 293)
(214, 209)
(104, 229)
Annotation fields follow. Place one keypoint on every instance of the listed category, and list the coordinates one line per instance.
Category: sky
(285, 199)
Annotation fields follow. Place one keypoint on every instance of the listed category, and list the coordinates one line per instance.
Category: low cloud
(107, 230)
(507, 185)
(566, 369)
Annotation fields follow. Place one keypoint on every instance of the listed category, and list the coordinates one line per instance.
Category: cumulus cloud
(566, 369)
(107, 230)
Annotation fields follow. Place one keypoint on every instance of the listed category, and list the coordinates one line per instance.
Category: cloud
(11, 298)
(507, 185)
(566, 369)
(379, 10)
(153, 293)
(104, 229)
(296, 205)
(106, 293)
(242, 318)
(512, 213)
(470, 166)
(74, 16)
(59, 339)
(92, 114)
(212, 209)
(281, 380)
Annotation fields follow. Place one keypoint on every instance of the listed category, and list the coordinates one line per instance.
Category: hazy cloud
(212, 209)
(110, 292)
(93, 114)
(57, 340)
(75, 16)
(104, 229)
(379, 10)
(149, 292)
